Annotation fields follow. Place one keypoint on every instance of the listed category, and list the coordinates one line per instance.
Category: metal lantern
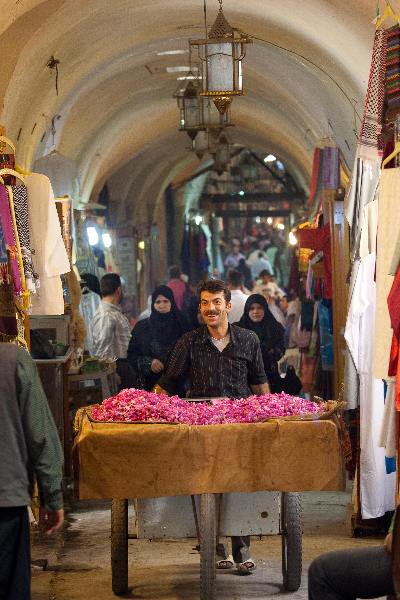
(200, 144)
(222, 54)
(190, 106)
(222, 154)
(212, 117)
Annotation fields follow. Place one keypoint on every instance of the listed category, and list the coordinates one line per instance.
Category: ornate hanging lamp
(222, 154)
(191, 118)
(222, 53)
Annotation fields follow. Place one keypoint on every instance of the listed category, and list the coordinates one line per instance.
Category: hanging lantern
(212, 117)
(248, 170)
(222, 54)
(190, 108)
(200, 144)
(222, 154)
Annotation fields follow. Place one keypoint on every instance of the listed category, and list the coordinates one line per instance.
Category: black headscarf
(269, 331)
(166, 328)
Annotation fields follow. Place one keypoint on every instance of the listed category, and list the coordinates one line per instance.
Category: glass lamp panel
(220, 65)
(239, 79)
(192, 117)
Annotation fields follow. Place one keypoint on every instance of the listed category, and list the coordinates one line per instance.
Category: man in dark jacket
(219, 360)
(29, 447)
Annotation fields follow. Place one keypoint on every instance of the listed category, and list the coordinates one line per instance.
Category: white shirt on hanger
(50, 257)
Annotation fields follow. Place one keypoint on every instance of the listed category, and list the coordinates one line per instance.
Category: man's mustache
(211, 314)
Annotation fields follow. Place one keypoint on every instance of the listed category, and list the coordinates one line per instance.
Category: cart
(208, 516)
(170, 469)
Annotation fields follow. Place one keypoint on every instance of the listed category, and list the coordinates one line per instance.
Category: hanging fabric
(9, 237)
(18, 199)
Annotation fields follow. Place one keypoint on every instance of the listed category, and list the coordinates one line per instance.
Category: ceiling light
(141, 245)
(270, 220)
(171, 52)
(185, 77)
(93, 236)
(241, 193)
(222, 53)
(258, 219)
(292, 239)
(107, 240)
(281, 226)
(270, 158)
(184, 69)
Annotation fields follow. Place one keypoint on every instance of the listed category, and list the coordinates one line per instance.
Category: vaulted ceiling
(305, 76)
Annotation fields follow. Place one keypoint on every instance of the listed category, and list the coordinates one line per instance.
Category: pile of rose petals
(132, 405)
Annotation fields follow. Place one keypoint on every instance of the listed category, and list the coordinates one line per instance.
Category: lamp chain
(220, 4)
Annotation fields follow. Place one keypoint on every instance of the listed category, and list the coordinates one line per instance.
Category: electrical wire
(205, 17)
(314, 65)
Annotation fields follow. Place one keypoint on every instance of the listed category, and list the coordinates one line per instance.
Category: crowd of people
(174, 309)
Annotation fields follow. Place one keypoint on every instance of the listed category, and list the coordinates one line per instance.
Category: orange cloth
(117, 460)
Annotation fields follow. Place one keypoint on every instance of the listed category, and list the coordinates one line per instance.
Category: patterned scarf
(9, 239)
(8, 321)
(371, 142)
(18, 197)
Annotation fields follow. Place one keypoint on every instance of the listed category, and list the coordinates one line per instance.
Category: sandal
(225, 563)
(246, 567)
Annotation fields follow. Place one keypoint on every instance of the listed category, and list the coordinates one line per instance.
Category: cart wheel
(291, 529)
(119, 546)
(207, 547)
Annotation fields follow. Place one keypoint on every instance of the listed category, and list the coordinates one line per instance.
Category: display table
(117, 460)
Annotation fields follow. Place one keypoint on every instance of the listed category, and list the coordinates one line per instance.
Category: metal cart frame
(290, 530)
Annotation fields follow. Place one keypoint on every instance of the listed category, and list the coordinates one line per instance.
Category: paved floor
(79, 561)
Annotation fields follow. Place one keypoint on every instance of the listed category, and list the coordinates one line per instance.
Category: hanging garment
(392, 77)
(51, 259)
(388, 227)
(18, 199)
(377, 488)
(7, 161)
(371, 143)
(394, 313)
(388, 439)
(9, 238)
(319, 240)
(330, 168)
(4, 271)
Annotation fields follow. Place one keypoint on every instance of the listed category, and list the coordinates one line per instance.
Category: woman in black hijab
(258, 318)
(153, 339)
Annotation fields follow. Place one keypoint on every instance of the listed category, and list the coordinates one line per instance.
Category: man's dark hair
(174, 272)
(109, 284)
(213, 286)
(235, 278)
(265, 272)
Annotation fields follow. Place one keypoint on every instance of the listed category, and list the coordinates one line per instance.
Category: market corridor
(79, 563)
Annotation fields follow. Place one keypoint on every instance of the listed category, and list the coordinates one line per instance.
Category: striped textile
(371, 142)
(392, 77)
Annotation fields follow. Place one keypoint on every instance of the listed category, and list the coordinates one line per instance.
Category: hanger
(7, 141)
(387, 160)
(387, 14)
(11, 172)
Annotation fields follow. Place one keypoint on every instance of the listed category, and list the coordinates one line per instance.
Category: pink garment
(178, 288)
(9, 237)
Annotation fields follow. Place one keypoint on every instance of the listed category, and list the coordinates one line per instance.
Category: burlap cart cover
(117, 460)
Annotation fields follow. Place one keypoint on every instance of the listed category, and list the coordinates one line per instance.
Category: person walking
(152, 339)
(29, 446)
(238, 297)
(258, 318)
(219, 360)
(179, 287)
(111, 330)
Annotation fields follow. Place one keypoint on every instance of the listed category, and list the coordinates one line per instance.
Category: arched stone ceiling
(114, 99)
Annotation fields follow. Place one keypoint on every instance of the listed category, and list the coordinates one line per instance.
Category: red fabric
(178, 288)
(319, 239)
(394, 312)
